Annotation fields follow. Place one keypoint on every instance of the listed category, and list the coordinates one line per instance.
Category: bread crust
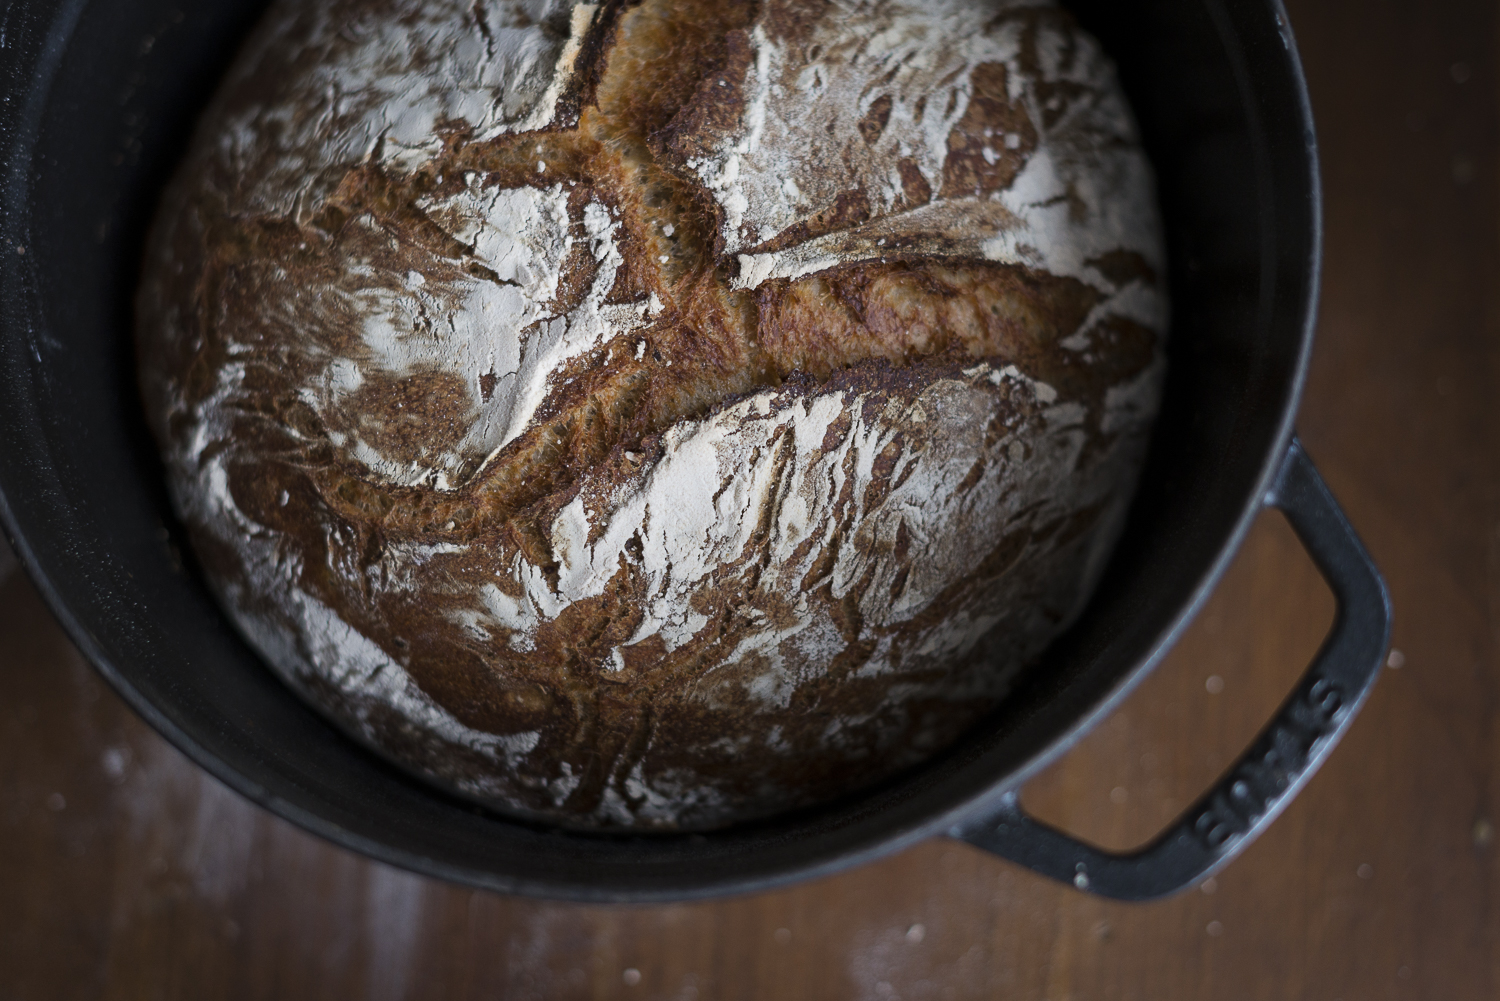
(625, 416)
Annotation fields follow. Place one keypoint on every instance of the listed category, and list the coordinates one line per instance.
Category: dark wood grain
(127, 873)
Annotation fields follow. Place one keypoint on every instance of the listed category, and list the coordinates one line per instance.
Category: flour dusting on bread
(657, 414)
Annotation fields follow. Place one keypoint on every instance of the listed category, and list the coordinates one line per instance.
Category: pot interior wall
(102, 96)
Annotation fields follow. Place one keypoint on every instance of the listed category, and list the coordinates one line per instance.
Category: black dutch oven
(99, 97)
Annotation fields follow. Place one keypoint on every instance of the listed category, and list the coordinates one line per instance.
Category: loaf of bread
(656, 414)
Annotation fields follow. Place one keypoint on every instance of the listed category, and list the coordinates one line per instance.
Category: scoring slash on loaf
(656, 414)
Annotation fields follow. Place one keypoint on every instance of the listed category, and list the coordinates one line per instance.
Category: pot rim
(869, 846)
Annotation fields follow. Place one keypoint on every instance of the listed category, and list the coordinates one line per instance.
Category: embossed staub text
(1273, 764)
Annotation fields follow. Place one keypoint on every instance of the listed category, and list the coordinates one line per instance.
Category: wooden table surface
(125, 872)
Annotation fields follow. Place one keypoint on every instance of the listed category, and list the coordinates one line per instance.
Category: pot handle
(1280, 761)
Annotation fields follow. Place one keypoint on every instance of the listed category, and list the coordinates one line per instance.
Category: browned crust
(882, 330)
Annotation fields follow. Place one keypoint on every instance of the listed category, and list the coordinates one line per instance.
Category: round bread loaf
(656, 414)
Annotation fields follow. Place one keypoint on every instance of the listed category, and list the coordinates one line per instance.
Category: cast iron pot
(99, 98)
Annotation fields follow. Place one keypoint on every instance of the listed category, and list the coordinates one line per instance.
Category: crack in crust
(621, 720)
